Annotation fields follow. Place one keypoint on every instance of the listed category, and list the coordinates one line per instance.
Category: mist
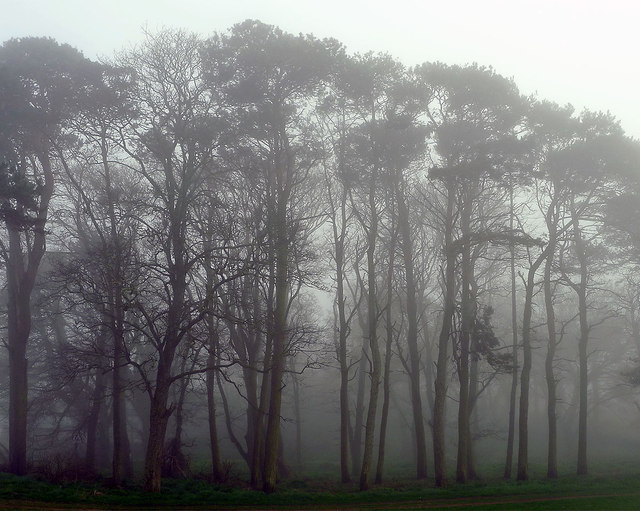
(259, 257)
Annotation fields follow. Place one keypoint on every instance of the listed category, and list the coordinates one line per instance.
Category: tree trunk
(372, 323)
(358, 423)
(298, 418)
(508, 465)
(581, 290)
(473, 416)
(412, 333)
(18, 398)
(21, 276)
(343, 332)
(216, 462)
(552, 447)
(523, 418)
(386, 386)
(93, 419)
(158, 420)
(279, 350)
(117, 404)
(443, 344)
(462, 469)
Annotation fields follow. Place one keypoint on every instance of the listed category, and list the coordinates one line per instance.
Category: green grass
(608, 491)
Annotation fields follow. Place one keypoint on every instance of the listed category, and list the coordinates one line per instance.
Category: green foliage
(572, 492)
(18, 197)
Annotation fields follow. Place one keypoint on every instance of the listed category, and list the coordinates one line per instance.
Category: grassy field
(606, 491)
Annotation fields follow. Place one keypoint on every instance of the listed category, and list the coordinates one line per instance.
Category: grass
(605, 491)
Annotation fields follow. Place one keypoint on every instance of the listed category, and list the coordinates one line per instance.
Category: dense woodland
(258, 247)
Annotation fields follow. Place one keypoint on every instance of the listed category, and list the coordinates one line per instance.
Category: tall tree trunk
(22, 270)
(443, 344)
(93, 419)
(412, 332)
(523, 418)
(552, 447)
(581, 290)
(343, 332)
(462, 469)
(158, 419)
(216, 462)
(386, 385)
(127, 462)
(19, 327)
(298, 418)
(372, 323)
(117, 404)
(358, 422)
(279, 349)
(508, 465)
(473, 396)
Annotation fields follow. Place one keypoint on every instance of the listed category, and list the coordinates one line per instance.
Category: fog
(258, 256)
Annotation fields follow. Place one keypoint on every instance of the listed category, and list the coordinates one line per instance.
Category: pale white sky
(570, 51)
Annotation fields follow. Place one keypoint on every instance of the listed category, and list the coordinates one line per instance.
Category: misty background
(262, 254)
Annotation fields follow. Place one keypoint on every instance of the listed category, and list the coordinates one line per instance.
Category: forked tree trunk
(523, 418)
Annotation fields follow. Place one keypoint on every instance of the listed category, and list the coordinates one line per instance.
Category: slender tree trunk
(412, 333)
(118, 423)
(298, 417)
(127, 463)
(552, 447)
(443, 344)
(257, 461)
(279, 350)
(358, 423)
(372, 323)
(581, 290)
(386, 386)
(473, 396)
(462, 469)
(93, 419)
(343, 332)
(227, 419)
(508, 465)
(216, 462)
(523, 419)
(212, 360)
(429, 365)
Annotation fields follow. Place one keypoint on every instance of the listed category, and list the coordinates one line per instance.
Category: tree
(270, 77)
(474, 114)
(40, 88)
(173, 144)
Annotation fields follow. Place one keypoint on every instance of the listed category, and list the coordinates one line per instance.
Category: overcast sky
(581, 52)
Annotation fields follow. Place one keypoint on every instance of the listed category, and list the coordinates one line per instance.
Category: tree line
(222, 216)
